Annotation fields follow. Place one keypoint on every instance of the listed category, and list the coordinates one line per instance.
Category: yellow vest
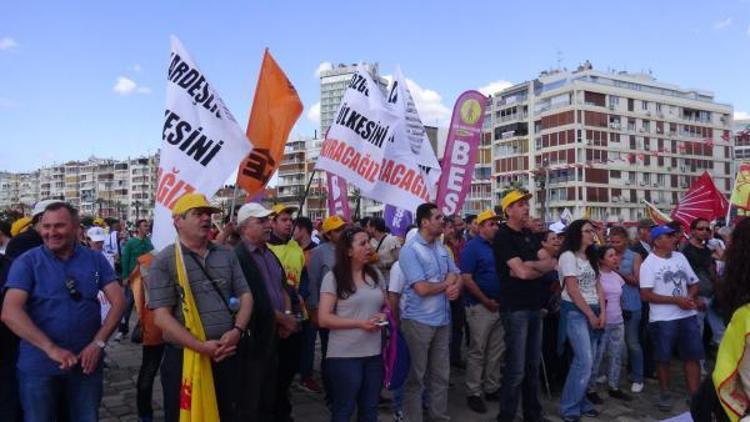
(292, 259)
(726, 375)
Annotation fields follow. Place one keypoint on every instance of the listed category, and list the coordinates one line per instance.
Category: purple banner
(338, 201)
(461, 149)
(397, 219)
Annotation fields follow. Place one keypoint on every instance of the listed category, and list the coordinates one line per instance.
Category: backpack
(396, 359)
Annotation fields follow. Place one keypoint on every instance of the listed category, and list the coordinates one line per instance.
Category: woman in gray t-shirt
(351, 299)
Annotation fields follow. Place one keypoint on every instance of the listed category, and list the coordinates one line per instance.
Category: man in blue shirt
(52, 305)
(431, 282)
(483, 293)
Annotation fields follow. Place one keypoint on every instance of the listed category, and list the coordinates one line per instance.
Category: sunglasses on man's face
(70, 284)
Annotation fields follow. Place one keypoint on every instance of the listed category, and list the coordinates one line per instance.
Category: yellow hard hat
(192, 201)
(512, 197)
(19, 226)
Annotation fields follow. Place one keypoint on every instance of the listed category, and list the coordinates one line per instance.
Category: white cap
(96, 234)
(41, 206)
(557, 227)
(252, 209)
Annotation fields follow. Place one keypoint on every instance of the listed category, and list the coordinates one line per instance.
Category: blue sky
(83, 78)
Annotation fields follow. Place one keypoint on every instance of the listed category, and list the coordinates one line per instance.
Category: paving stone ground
(123, 362)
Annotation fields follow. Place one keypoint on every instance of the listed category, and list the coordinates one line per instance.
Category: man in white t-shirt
(670, 285)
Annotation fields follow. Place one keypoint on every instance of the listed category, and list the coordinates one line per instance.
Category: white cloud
(313, 114)
(429, 104)
(323, 66)
(723, 24)
(8, 43)
(741, 115)
(495, 86)
(127, 86)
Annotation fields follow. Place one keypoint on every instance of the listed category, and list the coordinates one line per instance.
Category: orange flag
(276, 107)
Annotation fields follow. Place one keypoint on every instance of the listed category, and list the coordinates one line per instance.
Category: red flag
(701, 200)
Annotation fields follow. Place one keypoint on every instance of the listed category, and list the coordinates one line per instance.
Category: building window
(644, 105)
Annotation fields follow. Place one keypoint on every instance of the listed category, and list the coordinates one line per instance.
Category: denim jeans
(584, 341)
(520, 372)
(42, 394)
(633, 341)
(358, 383)
(610, 347)
(714, 321)
(307, 358)
(150, 361)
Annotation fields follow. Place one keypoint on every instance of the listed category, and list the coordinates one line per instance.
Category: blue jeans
(523, 348)
(715, 321)
(633, 341)
(357, 382)
(610, 347)
(41, 395)
(584, 342)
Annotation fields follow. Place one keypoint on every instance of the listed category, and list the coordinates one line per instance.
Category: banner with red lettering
(202, 144)
(362, 146)
(338, 199)
(461, 151)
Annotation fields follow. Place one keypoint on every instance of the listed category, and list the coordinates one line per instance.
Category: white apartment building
(742, 139)
(598, 143)
(97, 187)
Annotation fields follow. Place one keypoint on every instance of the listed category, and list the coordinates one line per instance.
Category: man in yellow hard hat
(522, 296)
(217, 284)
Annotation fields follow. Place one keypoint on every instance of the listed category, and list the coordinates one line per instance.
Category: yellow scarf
(197, 394)
(726, 375)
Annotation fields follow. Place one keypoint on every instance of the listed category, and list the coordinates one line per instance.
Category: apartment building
(97, 187)
(742, 139)
(598, 143)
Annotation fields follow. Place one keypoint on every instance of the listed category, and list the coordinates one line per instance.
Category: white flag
(202, 144)
(411, 129)
(362, 147)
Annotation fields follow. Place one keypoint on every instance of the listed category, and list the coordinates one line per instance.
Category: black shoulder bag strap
(213, 283)
(380, 243)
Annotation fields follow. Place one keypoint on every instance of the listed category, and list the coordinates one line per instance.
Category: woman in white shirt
(351, 300)
(582, 316)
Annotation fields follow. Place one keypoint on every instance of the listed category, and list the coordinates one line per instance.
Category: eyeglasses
(70, 284)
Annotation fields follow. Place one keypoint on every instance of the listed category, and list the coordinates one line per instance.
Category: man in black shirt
(522, 296)
(702, 261)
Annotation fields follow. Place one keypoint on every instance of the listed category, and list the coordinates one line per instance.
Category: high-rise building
(598, 143)
(333, 85)
(742, 139)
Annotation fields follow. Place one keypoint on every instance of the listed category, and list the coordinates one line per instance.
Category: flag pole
(234, 203)
(307, 191)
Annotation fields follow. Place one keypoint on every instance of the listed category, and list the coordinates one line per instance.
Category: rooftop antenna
(559, 59)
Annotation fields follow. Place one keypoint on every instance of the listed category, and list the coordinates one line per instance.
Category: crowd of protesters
(498, 295)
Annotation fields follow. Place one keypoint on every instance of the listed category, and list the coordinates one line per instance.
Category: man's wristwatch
(238, 328)
(100, 344)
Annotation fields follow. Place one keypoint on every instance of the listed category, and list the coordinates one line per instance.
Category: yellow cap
(192, 201)
(332, 223)
(281, 208)
(487, 215)
(19, 226)
(98, 221)
(512, 197)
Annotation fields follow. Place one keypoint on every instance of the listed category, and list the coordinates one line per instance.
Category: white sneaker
(637, 387)
(601, 379)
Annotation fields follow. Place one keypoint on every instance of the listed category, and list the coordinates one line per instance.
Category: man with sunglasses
(701, 259)
(217, 284)
(52, 305)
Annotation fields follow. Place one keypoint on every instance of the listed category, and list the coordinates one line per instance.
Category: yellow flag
(741, 192)
(197, 394)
